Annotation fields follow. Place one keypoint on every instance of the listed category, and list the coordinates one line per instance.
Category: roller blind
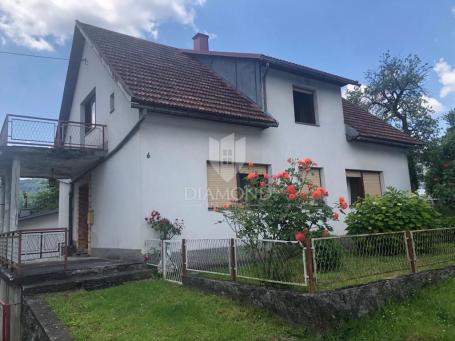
(372, 183)
(314, 176)
(221, 183)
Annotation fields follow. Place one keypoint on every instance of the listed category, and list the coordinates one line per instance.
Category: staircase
(92, 274)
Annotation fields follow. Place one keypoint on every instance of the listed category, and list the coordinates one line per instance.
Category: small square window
(304, 107)
(111, 103)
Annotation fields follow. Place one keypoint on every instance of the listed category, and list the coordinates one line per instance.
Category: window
(227, 181)
(313, 176)
(90, 111)
(304, 107)
(111, 103)
(362, 183)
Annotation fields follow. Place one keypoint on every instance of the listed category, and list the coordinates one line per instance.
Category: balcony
(27, 131)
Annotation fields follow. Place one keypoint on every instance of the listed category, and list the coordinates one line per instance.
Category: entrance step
(87, 282)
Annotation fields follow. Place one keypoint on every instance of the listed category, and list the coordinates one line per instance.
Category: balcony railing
(24, 246)
(21, 130)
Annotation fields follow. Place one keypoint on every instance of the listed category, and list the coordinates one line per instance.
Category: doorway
(83, 228)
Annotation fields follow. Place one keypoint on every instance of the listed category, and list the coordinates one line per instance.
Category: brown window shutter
(372, 183)
(353, 174)
(221, 183)
(260, 169)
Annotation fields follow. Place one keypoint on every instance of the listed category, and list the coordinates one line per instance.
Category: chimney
(201, 42)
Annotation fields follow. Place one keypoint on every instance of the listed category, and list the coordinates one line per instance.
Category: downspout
(264, 88)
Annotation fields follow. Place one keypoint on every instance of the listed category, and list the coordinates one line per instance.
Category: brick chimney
(201, 42)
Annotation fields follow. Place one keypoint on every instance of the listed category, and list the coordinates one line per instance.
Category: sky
(342, 37)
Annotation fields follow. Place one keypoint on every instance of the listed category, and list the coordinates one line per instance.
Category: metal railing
(24, 246)
(19, 130)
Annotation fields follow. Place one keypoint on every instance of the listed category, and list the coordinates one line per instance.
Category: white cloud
(446, 74)
(351, 87)
(40, 24)
(434, 104)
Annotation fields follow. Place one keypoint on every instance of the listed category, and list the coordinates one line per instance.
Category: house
(173, 129)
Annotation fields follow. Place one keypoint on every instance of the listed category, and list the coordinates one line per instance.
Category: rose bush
(280, 206)
(165, 228)
(285, 206)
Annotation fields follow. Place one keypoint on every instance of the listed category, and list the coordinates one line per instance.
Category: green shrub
(394, 211)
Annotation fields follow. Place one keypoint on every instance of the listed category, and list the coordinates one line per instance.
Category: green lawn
(157, 310)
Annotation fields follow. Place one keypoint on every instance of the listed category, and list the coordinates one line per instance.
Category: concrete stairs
(96, 277)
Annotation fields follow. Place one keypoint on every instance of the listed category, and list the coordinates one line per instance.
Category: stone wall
(325, 310)
(39, 322)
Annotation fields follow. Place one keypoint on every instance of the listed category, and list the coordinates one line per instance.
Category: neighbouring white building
(175, 124)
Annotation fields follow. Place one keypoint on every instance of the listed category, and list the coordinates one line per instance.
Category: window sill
(308, 124)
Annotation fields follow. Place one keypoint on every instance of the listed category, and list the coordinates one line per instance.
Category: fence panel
(208, 256)
(172, 261)
(359, 258)
(273, 261)
(153, 250)
(434, 248)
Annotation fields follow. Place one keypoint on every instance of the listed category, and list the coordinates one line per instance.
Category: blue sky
(344, 37)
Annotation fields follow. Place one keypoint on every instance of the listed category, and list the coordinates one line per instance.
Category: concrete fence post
(309, 257)
(410, 251)
(232, 259)
(184, 260)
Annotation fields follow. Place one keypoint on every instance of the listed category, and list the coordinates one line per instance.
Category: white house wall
(179, 150)
(93, 73)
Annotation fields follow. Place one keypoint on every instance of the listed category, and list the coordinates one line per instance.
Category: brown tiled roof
(370, 127)
(280, 64)
(165, 77)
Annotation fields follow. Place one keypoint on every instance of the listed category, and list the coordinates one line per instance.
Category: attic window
(304, 106)
(90, 111)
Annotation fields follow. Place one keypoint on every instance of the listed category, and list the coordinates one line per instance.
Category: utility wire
(32, 55)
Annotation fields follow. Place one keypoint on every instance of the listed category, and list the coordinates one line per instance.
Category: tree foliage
(440, 163)
(395, 93)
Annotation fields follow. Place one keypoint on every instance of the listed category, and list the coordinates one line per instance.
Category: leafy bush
(165, 228)
(394, 211)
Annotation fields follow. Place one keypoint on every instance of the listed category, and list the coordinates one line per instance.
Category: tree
(395, 93)
(440, 163)
(45, 199)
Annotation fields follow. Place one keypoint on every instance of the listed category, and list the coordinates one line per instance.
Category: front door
(82, 231)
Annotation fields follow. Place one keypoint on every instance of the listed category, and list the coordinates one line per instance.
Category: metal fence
(326, 263)
(24, 246)
(19, 130)
(351, 259)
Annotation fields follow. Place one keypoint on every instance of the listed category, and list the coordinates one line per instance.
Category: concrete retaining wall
(327, 310)
(40, 323)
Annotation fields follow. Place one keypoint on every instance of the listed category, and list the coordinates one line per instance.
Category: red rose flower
(307, 162)
(266, 176)
(252, 176)
(291, 189)
(335, 216)
(227, 206)
(317, 194)
(292, 196)
(323, 191)
(300, 236)
(342, 199)
(344, 205)
(250, 164)
(262, 184)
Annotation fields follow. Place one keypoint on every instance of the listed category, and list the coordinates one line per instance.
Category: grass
(428, 316)
(158, 310)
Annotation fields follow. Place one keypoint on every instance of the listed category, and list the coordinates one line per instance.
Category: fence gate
(166, 256)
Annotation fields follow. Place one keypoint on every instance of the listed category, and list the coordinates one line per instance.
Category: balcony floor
(46, 162)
